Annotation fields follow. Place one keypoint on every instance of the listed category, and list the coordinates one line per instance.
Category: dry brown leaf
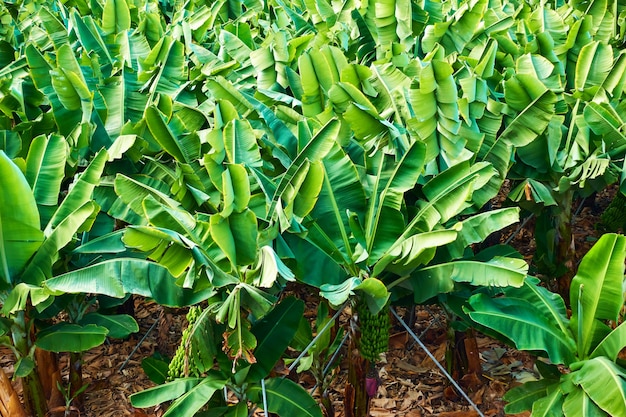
(471, 413)
(398, 340)
(381, 412)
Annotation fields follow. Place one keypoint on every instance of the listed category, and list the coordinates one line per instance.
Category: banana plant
(581, 373)
(208, 372)
(579, 148)
(37, 232)
(379, 242)
(35, 229)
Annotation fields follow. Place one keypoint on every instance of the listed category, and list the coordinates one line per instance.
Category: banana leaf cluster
(221, 150)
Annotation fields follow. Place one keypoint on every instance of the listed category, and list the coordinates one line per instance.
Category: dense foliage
(208, 154)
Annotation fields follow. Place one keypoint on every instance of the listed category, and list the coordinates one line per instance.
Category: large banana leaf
(341, 193)
(89, 36)
(607, 122)
(476, 229)
(118, 277)
(319, 145)
(133, 191)
(517, 319)
(80, 191)
(40, 266)
(521, 398)
(612, 344)
(65, 337)
(274, 332)
(115, 17)
(45, 170)
(392, 179)
(546, 303)
(191, 394)
(413, 252)
(20, 233)
(598, 56)
(66, 120)
(498, 271)
(549, 406)
(163, 71)
(118, 325)
(578, 404)
(240, 143)
(448, 194)
(596, 290)
(605, 384)
(183, 149)
(195, 398)
(286, 398)
(157, 244)
(535, 107)
(162, 393)
(236, 235)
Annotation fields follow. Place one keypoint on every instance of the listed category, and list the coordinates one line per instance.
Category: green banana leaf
(274, 332)
(535, 105)
(167, 392)
(115, 17)
(392, 180)
(606, 122)
(80, 192)
(596, 55)
(413, 252)
(236, 235)
(20, 236)
(320, 144)
(546, 303)
(522, 397)
(448, 194)
(285, 398)
(578, 404)
(605, 384)
(121, 276)
(596, 290)
(89, 36)
(184, 149)
(516, 319)
(240, 143)
(612, 344)
(163, 69)
(133, 191)
(40, 266)
(45, 170)
(65, 337)
(477, 228)
(550, 405)
(119, 326)
(342, 192)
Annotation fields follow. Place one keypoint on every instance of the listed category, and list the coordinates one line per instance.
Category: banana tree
(363, 224)
(205, 371)
(35, 229)
(37, 232)
(581, 373)
(581, 144)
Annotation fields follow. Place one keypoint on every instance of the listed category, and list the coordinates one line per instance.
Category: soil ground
(411, 384)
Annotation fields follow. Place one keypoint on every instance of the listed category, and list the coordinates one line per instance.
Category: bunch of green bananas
(179, 365)
(374, 331)
(614, 217)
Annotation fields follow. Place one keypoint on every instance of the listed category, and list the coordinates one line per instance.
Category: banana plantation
(295, 179)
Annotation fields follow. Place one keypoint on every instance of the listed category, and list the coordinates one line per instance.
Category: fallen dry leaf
(471, 413)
